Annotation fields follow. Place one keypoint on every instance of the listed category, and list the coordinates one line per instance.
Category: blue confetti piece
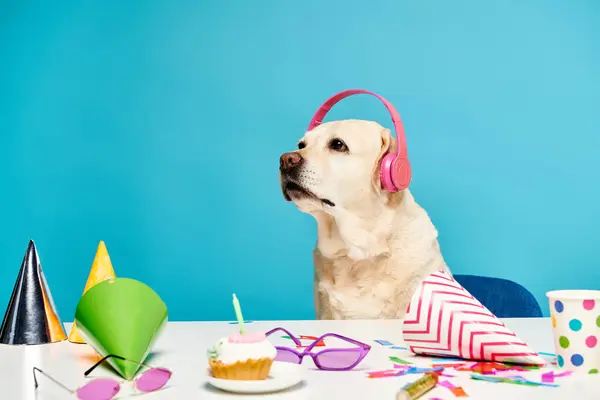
(384, 342)
(542, 383)
(488, 378)
(235, 322)
(518, 379)
(541, 353)
(398, 348)
(415, 370)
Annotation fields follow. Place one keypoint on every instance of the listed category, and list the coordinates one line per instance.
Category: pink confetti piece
(457, 391)
(446, 384)
(548, 377)
(563, 374)
(398, 366)
(385, 373)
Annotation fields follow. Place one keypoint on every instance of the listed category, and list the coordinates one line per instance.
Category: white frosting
(230, 353)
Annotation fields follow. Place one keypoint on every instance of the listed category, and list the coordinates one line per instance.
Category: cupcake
(246, 357)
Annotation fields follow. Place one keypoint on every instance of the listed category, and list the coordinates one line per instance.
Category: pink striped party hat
(443, 319)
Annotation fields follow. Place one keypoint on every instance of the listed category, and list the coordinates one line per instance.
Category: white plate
(283, 375)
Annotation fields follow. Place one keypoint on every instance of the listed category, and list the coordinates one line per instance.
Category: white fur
(373, 247)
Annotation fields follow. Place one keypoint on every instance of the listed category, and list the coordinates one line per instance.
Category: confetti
(446, 384)
(384, 342)
(398, 348)
(531, 367)
(541, 353)
(320, 343)
(398, 370)
(563, 374)
(457, 391)
(518, 380)
(447, 365)
(385, 373)
(489, 367)
(498, 379)
(374, 374)
(415, 370)
(399, 360)
(548, 377)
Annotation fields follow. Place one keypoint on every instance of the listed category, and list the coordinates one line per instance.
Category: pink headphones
(395, 172)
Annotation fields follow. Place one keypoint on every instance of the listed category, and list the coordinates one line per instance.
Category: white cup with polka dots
(575, 316)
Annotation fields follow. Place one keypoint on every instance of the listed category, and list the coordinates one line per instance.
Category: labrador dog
(373, 247)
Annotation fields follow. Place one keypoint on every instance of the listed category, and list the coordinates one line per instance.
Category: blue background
(157, 127)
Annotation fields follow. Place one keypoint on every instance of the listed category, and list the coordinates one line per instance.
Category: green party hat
(121, 317)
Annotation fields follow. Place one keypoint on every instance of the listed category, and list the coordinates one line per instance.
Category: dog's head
(336, 166)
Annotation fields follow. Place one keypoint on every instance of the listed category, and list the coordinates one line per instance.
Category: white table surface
(182, 348)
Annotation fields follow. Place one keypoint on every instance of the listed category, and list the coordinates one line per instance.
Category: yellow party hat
(101, 270)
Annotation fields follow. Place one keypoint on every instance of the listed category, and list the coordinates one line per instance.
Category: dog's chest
(355, 291)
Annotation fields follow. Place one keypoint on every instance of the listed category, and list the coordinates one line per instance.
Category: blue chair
(504, 298)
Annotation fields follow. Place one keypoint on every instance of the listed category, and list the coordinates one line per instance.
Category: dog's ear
(388, 144)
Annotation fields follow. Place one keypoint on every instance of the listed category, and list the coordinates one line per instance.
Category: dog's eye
(338, 145)
(301, 145)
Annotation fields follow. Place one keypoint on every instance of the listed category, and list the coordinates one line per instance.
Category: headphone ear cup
(401, 173)
(385, 172)
(394, 172)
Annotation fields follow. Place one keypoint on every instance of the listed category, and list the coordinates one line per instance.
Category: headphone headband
(398, 127)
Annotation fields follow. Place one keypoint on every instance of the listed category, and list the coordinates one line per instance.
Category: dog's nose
(290, 160)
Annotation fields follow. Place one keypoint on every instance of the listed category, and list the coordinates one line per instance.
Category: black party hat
(31, 316)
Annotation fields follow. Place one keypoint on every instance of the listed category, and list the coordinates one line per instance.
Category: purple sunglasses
(340, 359)
(107, 388)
